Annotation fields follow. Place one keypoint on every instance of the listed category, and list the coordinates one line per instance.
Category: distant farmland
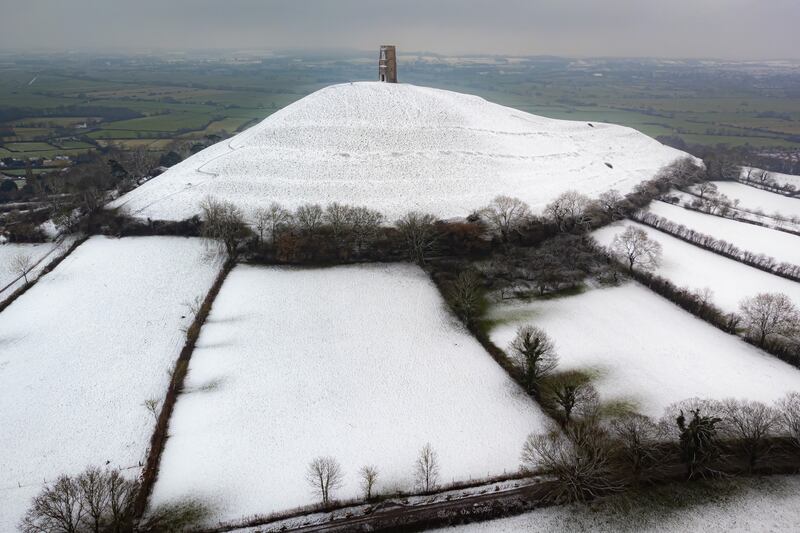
(66, 106)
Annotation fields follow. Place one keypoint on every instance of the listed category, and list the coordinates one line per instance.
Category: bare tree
(466, 295)
(419, 233)
(138, 162)
(151, 404)
(707, 188)
(535, 354)
(261, 222)
(613, 204)
(121, 495)
(369, 476)
(21, 265)
(577, 458)
(769, 314)
(223, 222)
(309, 218)
(338, 217)
(789, 416)
(272, 220)
(364, 224)
(506, 214)
(324, 474)
(59, 507)
(637, 437)
(573, 396)
(94, 491)
(636, 249)
(96, 500)
(568, 210)
(749, 423)
(426, 469)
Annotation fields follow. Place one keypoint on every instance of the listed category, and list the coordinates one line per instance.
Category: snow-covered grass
(783, 246)
(36, 253)
(645, 350)
(779, 178)
(687, 265)
(361, 363)
(398, 147)
(82, 350)
(757, 200)
(741, 506)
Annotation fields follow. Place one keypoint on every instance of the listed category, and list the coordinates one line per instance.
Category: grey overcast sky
(734, 29)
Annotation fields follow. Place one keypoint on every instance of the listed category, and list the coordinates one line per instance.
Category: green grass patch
(29, 147)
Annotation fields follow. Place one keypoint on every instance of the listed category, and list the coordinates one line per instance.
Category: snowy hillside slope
(398, 147)
(363, 363)
(82, 350)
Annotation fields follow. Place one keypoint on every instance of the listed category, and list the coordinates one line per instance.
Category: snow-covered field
(82, 350)
(754, 199)
(785, 247)
(647, 350)
(780, 179)
(398, 147)
(769, 504)
(36, 253)
(687, 265)
(361, 363)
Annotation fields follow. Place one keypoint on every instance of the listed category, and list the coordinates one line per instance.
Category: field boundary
(706, 242)
(768, 188)
(159, 438)
(46, 270)
(736, 219)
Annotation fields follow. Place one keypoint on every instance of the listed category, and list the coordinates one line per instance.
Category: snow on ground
(687, 265)
(361, 363)
(82, 350)
(780, 179)
(783, 246)
(769, 504)
(647, 350)
(676, 197)
(398, 147)
(42, 253)
(754, 199)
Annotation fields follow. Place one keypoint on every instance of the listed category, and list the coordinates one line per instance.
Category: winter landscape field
(754, 199)
(362, 363)
(82, 351)
(628, 341)
(689, 266)
(295, 280)
(395, 147)
(38, 254)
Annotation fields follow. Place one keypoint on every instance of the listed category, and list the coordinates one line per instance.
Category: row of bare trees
(719, 246)
(595, 455)
(708, 199)
(325, 475)
(97, 500)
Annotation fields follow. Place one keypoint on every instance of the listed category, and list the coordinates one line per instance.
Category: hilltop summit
(398, 147)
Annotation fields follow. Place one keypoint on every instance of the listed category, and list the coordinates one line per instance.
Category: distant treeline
(9, 114)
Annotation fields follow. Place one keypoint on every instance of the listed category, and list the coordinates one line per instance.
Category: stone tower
(387, 64)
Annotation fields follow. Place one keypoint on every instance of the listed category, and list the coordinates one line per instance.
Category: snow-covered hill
(398, 147)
